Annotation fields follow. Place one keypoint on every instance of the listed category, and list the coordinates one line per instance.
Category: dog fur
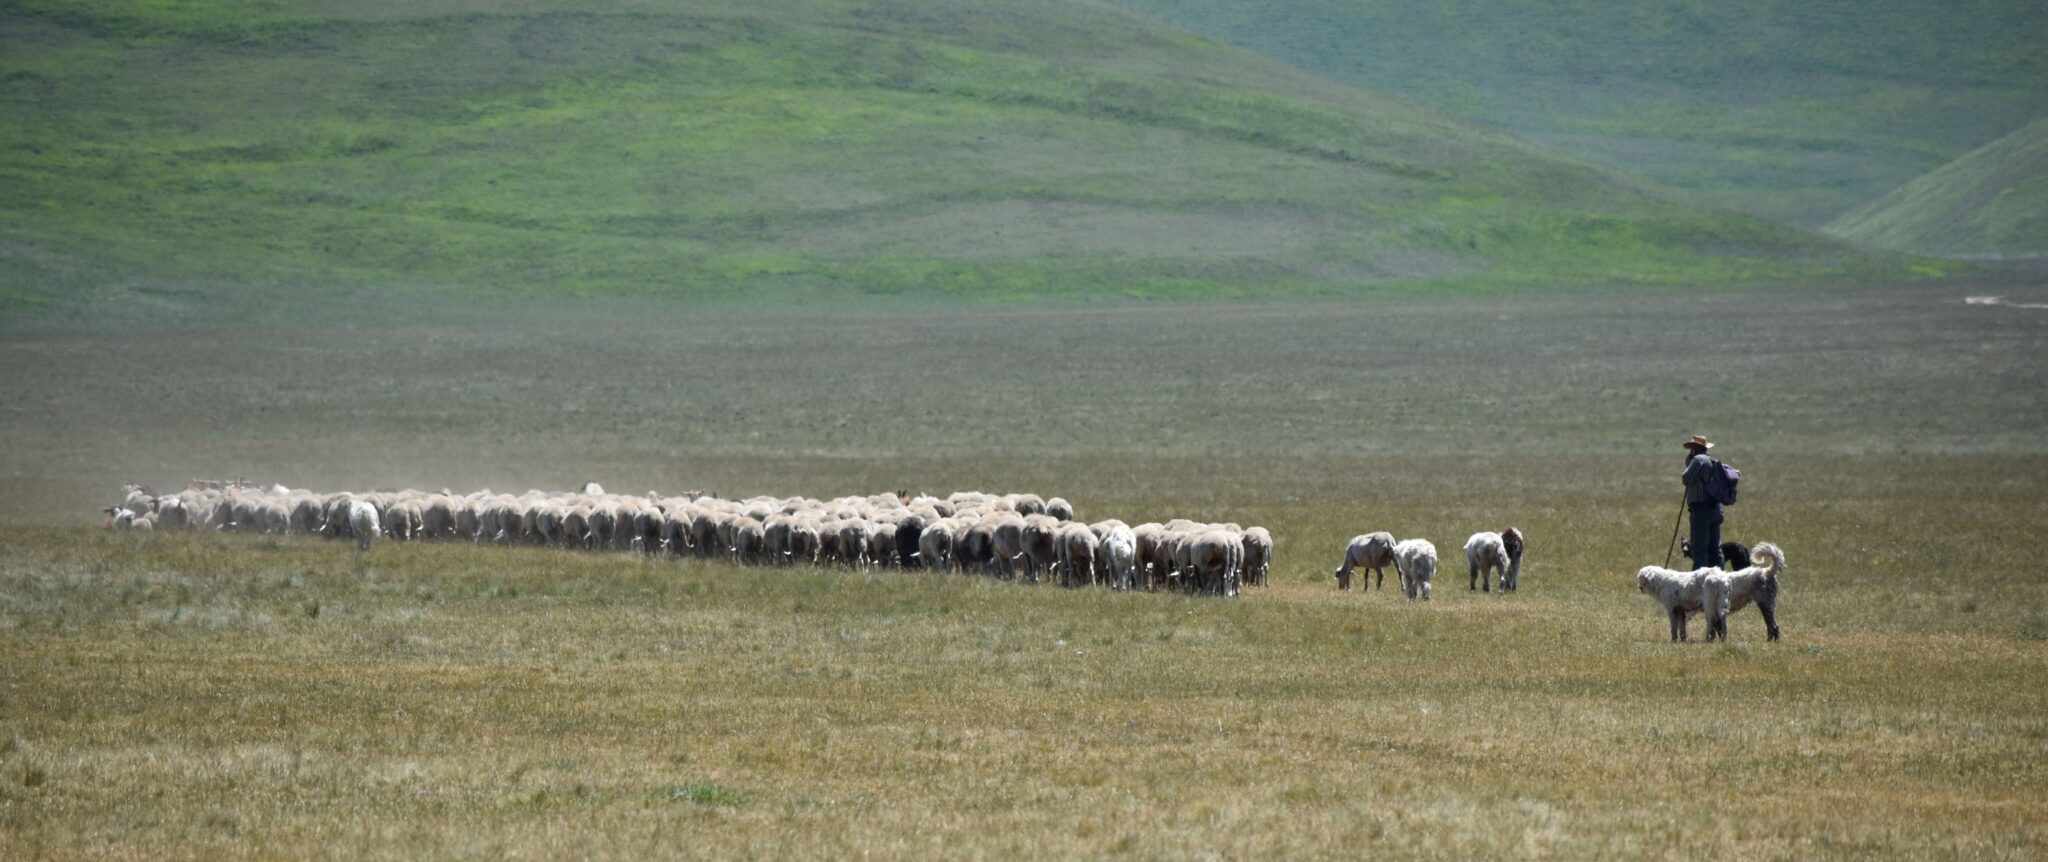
(1725, 592)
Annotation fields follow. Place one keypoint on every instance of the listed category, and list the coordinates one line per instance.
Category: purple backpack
(1721, 483)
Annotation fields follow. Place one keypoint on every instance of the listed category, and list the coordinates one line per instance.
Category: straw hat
(1698, 441)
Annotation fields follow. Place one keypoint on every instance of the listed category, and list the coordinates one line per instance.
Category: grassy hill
(168, 158)
(1993, 201)
(1796, 110)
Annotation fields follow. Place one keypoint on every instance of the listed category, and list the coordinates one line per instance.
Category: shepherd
(1702, 502)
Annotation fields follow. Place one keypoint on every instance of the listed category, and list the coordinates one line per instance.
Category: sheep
(1486, 553)
(1075, 558)
(438, 517)
(1258, 555)
(1511, 538)
(935, 544)
(1215, 559)
(1678, 592)
(1725, 592)
(1150, 552)
(1369, 550)
(905, 538)
(749, 540)
(403, 521)
(1040, 548)
(965, 532)
(1009, 544)
(171, 512)
(1415, 562)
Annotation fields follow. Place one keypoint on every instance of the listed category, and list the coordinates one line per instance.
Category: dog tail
(1766, 550)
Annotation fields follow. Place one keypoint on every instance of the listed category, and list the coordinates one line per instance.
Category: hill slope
(171, 156)
(1993, 201)
(1792, 109)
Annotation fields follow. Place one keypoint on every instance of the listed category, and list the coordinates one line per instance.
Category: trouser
(1706, 535)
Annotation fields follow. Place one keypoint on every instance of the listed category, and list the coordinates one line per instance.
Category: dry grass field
(209, 696)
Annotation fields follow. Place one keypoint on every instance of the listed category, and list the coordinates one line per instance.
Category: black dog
(1734, 555)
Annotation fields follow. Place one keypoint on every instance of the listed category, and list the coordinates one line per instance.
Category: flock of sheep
(1007, 536)
(1414, 561)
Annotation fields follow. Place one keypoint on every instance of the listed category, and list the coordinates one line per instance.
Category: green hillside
(1991, 202)
(1789, 108)
(167, 157)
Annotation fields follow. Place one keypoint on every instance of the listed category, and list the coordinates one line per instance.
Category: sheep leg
(1472, 582)
(1677, 625)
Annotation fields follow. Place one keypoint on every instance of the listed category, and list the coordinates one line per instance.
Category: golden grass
(233, 696)
(207, 696)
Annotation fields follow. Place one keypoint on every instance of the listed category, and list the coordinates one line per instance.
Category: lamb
(1415, 561)
(1370, 550)
(1678, 592)
(1725, 592)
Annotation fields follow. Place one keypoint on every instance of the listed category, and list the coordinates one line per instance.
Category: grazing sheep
(1374, 551)
(403, 521)
(1041, 549)
(1075, 558)
(1009, 544)
(1725, 592)
(1258, 555)
(1511, 538)
(970, 531)
(1415, 561)
(437, 517)
(1679, 593)
(974, 547)
(749, 540)
(1215, 559)
(1151, 555)
(935, 544)
(171, 512)
(1486, 553)
(905, 537)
